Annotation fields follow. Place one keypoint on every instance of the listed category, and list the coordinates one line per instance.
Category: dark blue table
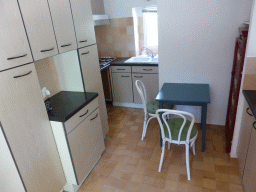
(187, 94)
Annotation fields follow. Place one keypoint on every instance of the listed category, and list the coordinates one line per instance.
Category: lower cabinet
(123, 83)
(81, 148)
(27, 131)
(122, 87)
(86, 145)
(244, 137)
(246, 150)
(151, 84)
(250, 165)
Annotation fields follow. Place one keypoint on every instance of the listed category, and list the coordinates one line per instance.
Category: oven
(105, 76)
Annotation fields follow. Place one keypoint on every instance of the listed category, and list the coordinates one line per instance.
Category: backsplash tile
(116, 39)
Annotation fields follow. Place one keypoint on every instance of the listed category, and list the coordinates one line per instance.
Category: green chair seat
(152, 106)
(175, 125)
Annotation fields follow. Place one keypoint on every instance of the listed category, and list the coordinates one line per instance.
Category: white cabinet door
(38, 23)
(63, 25)
(250, 165)
(92, 79)
(27, 128)
(86, 145)
(122, 87)
(244, 137)
(83, 20)
(151, 84)
(14, 47)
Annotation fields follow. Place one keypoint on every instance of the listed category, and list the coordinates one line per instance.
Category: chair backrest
(182, 114)
(142, 92)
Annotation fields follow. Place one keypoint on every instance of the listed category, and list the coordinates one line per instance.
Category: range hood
(100, 20)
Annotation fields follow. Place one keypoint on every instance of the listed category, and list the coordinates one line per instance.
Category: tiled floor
(129, 164)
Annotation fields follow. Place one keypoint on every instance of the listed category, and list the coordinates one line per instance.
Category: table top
(184, 93)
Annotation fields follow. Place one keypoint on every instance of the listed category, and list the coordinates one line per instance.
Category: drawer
(146, 69)
(81, 115)
(121, 69)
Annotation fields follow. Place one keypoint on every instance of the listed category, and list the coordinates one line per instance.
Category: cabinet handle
(138, 76)
(120, 69)
(66, 45)
(23, 75)
(84, 113)
(247, 110)
(124, 76)
(94, 117)
(83, 41)
(45, 50)
(10, 58)
(147, 69)
(254, 125)
(86, 53)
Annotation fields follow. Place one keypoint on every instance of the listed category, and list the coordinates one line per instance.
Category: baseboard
(132, 105)
(211, 126)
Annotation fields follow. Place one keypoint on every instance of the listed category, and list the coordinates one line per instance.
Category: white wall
(196, 45)
(69, 73)
(123, 8)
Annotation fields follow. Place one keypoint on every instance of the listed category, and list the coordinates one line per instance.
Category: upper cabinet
(83, 21)
(63, 25)
(39, 28)
(14, 47)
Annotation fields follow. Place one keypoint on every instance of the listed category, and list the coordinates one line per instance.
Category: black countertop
(250, 96)
(121, 61)
(67, 103)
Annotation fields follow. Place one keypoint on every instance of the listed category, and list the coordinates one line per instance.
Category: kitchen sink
(142, 60)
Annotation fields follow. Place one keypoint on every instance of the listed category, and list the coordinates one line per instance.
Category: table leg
(203, 124)
(161, 107)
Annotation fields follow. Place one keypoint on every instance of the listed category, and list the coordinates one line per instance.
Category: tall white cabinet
(14, 47)
(38, 23)
(92, 79)
(25, 124)
(83, 21)
(63, 25)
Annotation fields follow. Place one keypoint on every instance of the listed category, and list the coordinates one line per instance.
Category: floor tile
(130, 164)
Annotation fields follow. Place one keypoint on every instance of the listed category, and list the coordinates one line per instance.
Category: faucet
(152, 54)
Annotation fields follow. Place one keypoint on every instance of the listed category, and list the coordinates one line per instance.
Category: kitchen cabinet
(149, 77)
(27, 129)
(89, 62)
(122, 87)
(38, 24)
(14, 47)
(250, 165)
(83, 21)
(123, 83)
(63, 25)
(79, 139)
(244, 138)
(86, 145)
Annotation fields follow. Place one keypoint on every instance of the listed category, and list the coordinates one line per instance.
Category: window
(150, 26)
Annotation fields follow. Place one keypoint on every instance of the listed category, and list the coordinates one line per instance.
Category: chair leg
(194, 148)
(162, 157)
(144, 127)
(187, 161)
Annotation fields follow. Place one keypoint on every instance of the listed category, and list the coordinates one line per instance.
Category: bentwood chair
(177, 131)
(149, 107)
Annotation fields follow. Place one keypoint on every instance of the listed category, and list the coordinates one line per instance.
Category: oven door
(106, 82)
